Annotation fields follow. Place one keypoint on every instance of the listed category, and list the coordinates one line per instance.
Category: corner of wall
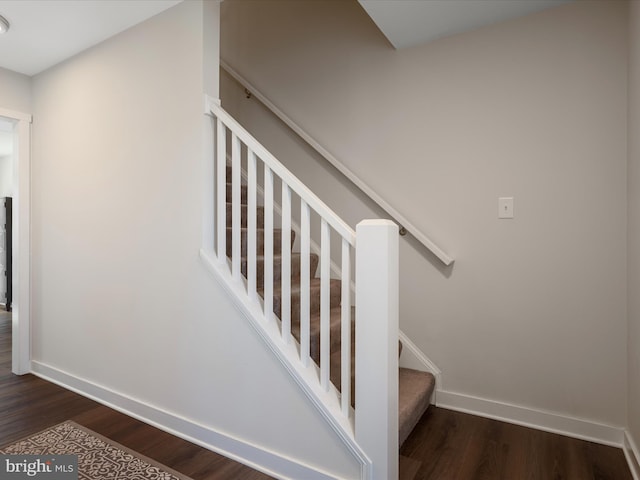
(632, 454)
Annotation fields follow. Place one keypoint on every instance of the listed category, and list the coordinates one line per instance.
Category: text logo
(49, 467)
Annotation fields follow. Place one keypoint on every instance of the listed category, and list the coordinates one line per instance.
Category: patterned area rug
(98, 457)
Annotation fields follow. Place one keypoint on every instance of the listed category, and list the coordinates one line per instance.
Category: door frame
(21, 261)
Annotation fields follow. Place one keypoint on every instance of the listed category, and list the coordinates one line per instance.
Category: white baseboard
(256, 457)
(538, 419)
(632, 454)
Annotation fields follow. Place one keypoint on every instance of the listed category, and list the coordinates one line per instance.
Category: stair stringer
(288, 355)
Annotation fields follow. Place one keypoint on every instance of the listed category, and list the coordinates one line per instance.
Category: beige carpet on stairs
(415, 387)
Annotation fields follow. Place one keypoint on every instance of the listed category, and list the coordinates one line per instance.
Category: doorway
(18, 126)
(6, 192)
(6, 263)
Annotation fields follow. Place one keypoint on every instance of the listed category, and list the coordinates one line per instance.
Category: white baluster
(251, 226)
(305, 276)
(325, 277)
(236, 205)
(345, 361)
(221, 160)
(268, 242)
(285, 263)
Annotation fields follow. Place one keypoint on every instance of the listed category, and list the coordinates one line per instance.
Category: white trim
(342, 168)
(326, 402)
(209, 101)
(21, 239)
(546, 421)
(254, 456)
(413, 357)
(632, 454)
(13, 115)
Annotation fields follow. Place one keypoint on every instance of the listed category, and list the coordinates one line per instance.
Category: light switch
(505, 207)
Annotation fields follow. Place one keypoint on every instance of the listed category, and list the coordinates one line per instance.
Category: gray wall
(533, 313)
(120, 296)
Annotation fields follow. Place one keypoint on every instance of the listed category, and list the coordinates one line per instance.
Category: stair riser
(244, 218)
(277, 269)
(277, 242)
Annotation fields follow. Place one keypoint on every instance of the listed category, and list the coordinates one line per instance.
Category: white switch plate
(505, 207)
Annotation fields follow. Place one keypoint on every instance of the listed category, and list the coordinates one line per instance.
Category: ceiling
(407, 23)
(46, 32)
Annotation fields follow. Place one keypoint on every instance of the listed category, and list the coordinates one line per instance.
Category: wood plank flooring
(29, 404)
(445, 445)
(448, 445)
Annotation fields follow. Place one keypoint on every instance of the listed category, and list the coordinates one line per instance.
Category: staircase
(415, 387)
(298, 294)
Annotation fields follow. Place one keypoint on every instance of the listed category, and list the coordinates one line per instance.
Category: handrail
(397, 216)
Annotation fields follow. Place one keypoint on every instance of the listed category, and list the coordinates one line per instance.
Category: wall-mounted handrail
(341, 167)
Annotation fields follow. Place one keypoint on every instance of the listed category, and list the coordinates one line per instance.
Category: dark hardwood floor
(449, 445)
(29, 404)
(445, 445)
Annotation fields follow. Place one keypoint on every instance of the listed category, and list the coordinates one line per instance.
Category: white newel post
(377, 307)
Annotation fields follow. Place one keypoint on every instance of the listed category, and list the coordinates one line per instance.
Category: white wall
(533, 313)
(15, 91)
(634, 223)
(122, 305)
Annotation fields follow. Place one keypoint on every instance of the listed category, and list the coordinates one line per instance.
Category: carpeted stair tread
(277, 267)
(415, 389)
(314, 297)
(335, 332)
(336, 360)
(277, 241)
(335, 372)
(243, 216)
(243, 193)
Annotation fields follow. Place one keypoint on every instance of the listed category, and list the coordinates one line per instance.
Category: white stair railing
(369, 429)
